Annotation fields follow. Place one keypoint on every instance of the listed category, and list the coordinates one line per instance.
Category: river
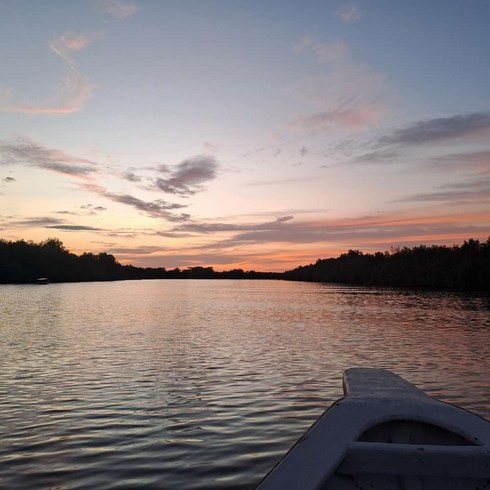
(192, 384)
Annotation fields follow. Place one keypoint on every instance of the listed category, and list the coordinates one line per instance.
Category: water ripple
(205, 384)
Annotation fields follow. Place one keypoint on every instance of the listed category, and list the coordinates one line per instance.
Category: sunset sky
(260, 134)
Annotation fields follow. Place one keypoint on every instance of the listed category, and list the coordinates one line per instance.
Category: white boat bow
(386, 434)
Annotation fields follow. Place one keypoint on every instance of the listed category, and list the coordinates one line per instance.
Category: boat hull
(387, 434)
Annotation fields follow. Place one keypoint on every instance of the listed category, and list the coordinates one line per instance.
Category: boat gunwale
(361, 410)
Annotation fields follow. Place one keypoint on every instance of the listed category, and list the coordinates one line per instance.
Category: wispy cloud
(93, 208)
(131, 176)
(76, 88)
(142, 250)
(287, 242)
(43, 221)
(184, 179)
(467, 162)
(86, 210)
(460, 193)
(423, 145)
(8, 180)
(349, 96)
(155, 209)
(351, 119)
(349, 14)
(119, 9)
(47, 222)
(74, 228)
(444, 129)
(27, 152)
(207, 228)
(366, 230)
(383, 156)
(429, 137)
(187, 178)
(73, 41)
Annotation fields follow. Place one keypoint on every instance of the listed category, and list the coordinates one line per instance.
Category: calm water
(205, 384)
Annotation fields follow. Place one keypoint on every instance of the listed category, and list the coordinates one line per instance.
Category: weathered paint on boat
(386, 434)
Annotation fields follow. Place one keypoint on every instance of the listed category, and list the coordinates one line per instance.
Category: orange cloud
(285, 243)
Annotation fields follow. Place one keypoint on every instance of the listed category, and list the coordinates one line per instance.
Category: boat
(42, 280)
(386, 434)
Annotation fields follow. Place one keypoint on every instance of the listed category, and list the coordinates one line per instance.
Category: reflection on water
(205, 384)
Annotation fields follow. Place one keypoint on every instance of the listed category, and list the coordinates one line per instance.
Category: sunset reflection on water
(205, 384)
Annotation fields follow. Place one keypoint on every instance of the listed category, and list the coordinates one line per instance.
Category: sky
(253, 134)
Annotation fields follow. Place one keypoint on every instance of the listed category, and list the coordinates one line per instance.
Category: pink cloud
(76, 88)
(286, 243)
(74, 42)
(351, 96)
(355, 119)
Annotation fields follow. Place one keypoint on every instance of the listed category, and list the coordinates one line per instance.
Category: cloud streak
(461, 193)
(351, 119)
(26, 152)
(434, 135)
(184, 179)
(444, 129)
(47, 222)
(207, 228)
(365, 230)
(476, 161)
(72, 41)
(74, 228)
(286, 242)
(158, 208)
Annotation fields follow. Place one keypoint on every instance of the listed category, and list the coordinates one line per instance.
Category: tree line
(463, 267)
(24, 262)
(459, 267)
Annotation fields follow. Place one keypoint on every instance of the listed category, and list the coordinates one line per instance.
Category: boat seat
(387, 434)
(372, 458)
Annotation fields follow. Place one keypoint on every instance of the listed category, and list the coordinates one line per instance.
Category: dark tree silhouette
(25, 262)
(465, 267)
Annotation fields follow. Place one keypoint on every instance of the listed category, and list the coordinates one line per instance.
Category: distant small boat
(42, 280)
(386, 434)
